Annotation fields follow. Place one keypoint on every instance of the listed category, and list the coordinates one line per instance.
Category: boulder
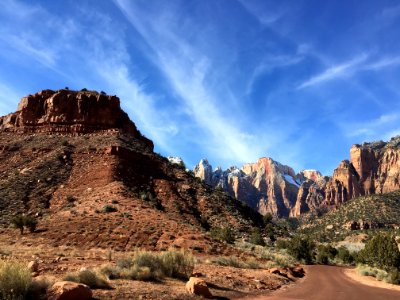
(198, 287)
(66, 290)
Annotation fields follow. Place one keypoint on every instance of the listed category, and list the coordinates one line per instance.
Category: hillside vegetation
(368, 212)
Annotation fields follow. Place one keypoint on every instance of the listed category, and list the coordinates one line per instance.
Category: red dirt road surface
(329, 283)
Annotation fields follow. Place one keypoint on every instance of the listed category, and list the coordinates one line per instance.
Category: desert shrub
(90, 278)
(109, 208)
(381, 251)
(256, 238)
(146, 265)
(267, 218)
(302, 249)
(21, 221)
(224, 234)
(344, 255)
(18, 222)
(325, 254)
(147, 196)
(391, 276)
(282, 244)
(228, 261)
(270, 231)
(114, 201)
(38, 289)
(177, 264)
(71, 198)
(30, 222)
(125, 263)
(15, 280)
(110, 272)
(232, 261)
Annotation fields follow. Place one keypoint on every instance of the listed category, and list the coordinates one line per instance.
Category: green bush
(71, 198)
(30, 222)
(325, 254)
(345, 256)
(282, 244)
(267, 219)
(21, 221)
(109, 208)
(301, 249)
(381, 251)
(18, 223)
(392, 276)
(224, 234)
(256, 238)
(15, 280)
(177, 264)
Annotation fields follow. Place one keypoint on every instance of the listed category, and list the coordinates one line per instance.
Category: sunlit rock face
(266, 185)
(270, 187)
(70, 112)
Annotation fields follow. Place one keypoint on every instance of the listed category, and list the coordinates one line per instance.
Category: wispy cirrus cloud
(263, 16)
(347, 69)
(373, 129)
(343, 70)
(188, 72)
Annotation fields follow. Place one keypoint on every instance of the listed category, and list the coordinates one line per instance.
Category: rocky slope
(269, 186)
(76, 161)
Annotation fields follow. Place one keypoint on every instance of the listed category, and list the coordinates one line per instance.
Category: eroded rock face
(373, 168)
(269, 186)
(266, 185)
(70, 112)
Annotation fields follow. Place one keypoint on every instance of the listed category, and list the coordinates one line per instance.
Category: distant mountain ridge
(270, 187)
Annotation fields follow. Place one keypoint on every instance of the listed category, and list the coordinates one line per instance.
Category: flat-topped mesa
(70, 112)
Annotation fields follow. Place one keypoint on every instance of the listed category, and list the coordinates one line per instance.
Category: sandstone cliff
(266, 185)
(269, 186)
(65, 111)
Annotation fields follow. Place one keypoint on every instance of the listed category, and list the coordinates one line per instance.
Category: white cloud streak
(187, 70)
(339, 71)
(347, 69)
(384, 126)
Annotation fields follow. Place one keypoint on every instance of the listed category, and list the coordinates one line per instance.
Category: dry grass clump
(15, 280)
(150, 266)
(232, 261)
(276, 257)
(392, 276)
(90, 278)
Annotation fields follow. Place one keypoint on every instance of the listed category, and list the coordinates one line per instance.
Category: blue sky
(230, 80)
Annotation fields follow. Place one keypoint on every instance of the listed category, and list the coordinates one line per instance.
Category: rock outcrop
(66, 290)
(70, 112)
(197, 286)
(270, 187)
(374, 168)
(266, 186)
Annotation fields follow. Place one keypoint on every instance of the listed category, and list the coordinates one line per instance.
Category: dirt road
(330, 283)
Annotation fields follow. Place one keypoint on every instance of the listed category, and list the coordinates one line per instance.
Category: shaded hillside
(100, 184)
(363, 213)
